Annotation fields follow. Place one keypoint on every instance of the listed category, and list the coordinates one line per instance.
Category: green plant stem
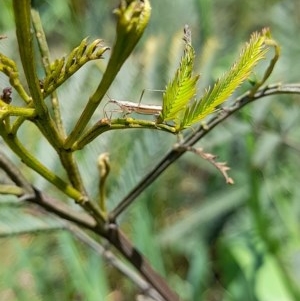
(37, 166)
(16, 125)
(9, 110)
(8, 67)
(269, 70)
(92, 105)
(11, 189)
(43, 120)
(31, 194)
(71, 168)
(41, 39)
(15, 82)
(24, 36)
(105, 125)
(133, 17)
(45, 53)
(104, 169)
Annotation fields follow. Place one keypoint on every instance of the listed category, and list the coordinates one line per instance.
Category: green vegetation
(207, 239)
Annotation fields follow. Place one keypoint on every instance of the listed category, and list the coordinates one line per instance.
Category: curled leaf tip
(187, 35)
(266, 32)
(103, 164)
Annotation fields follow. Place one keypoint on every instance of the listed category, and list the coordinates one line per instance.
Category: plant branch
(112, 233)
(66, 158)
(45, 54)
(63, 186)
(71, 168)
(14, 174)
(133, 18)
(37, 166)
(270, 42)
(8, 110)
(65, 215)
(114, 236)
(221, 166)
(105, 124)
(9, 68)
(57, 207)
(32, 195)
(103, 169)
(11, 189)
(24, 36)
(179, 149)
(112, 260)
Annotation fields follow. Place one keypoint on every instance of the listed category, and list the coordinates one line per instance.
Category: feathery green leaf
(182, 87)
(253, 52)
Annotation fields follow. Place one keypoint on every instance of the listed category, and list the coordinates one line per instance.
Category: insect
(129, 107)
(132, 107)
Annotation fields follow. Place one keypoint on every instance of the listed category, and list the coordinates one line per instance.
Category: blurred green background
(211, 241)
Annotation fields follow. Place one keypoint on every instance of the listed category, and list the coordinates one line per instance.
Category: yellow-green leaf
(182, 87)
(252, 53)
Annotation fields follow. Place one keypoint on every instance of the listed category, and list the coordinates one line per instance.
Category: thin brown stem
(114, 261)
(124, 246)
(14, 174)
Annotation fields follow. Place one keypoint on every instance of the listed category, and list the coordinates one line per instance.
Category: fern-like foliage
(61, 69)
(182, 87)
(252, 53)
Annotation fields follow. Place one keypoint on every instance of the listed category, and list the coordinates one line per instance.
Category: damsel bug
(129, 107)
